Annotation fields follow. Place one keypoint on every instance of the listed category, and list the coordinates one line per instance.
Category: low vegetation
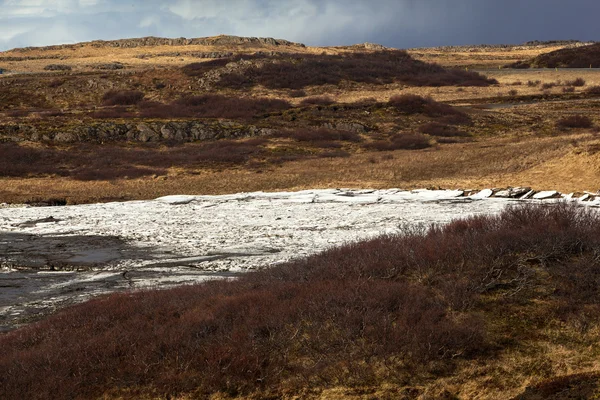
(407, 310)
(575, 121)
(213, 106)
(300, 71)
(576, 57)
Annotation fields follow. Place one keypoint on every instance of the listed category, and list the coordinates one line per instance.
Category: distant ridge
(150, 41)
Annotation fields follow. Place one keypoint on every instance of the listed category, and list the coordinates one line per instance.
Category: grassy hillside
(484, 305)
(141, 118)
(571, 57)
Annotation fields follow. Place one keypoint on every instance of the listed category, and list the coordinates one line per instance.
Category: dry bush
(576, 57)
(334, 154)
(309, 134)
(578, 82)
(401, 141)
(300, 71)
(437, 129)
(18, 113)
(317, 101)
(89, 162)
(533, 83)
(56, 83)
(413, 104)
(57, 67)
(548, 85)
(122, 97)
(200, 68)
(394, 309)
(574, 121)
(568, 89)
(112, 113)
(297, 93)
(595, 90)
(213, 106)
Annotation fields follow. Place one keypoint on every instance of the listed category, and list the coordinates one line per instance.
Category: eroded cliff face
(182, 131)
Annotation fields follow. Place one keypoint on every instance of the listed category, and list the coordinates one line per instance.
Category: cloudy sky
(395, 23)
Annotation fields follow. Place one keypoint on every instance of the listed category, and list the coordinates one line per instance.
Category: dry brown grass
(565, 163)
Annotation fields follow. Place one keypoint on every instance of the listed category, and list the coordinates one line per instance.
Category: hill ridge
(150, 41)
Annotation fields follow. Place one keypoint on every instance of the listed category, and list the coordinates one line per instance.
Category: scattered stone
(37, 221)
(484, 194)
(512, 193)
(57, 67)
(527, 195)
(176, 200)
(549, 194)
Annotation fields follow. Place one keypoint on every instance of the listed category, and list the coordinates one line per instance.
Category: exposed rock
(346, 126)
(512, 192)
(57, 67)
(150, 41)
(484, 194)
(65, 137)
(549, 194)
(108, 66)
(146, 134)
(527, 195)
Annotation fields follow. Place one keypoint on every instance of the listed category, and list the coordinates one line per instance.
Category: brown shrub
(574, 121)
(56, 83)
(568, 89)
(302, 70)
(297, 93)
(578, 82)
(317, 101)
(57, 67)
(388, 309)
(593, 90)
(106, 162)
(437, 129)
(402, 141)
(122, 97)
(413, 104)
(112, 113)
(319, 135)
(213, 106)
(548, 85)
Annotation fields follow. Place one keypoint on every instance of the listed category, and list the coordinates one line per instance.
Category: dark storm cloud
(399, 23)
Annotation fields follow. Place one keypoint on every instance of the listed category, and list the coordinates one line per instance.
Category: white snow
(545, 195)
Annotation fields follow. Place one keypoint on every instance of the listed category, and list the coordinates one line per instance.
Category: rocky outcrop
(180, 131)
(222, 40)
(57, 67)
(346, 126)
(195, 54)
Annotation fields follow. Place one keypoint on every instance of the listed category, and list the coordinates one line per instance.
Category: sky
(393, 23)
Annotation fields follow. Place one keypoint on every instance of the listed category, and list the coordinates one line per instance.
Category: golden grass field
(514, 140)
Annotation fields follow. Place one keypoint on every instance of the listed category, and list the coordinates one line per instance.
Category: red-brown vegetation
(319, 134)
(383, 67)
(122, 97)
(213, 106)
(401, 141)
(575, 121)
(576, 57)
(595, 90)
(399, 309)
(437, 129)
(92, 162)
(317, 101)
(413, 104)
